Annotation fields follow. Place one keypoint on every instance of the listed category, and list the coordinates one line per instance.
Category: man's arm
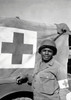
(26, 77)
(63, 83)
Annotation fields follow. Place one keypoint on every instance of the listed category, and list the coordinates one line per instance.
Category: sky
(43, 11)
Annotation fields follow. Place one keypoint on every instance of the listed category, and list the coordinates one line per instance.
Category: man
(45, 81)
(46, 74)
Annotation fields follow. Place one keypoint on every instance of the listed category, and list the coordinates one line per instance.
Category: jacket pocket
(48, 83)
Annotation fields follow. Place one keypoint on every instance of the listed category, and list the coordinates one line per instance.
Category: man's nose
(46, 52)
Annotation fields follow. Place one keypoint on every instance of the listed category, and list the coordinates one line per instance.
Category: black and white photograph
(35, 49)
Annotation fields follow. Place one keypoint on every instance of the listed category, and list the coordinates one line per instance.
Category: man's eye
(43, 50)
(49, 51)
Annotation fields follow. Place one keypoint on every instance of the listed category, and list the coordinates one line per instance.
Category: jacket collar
(50, 63)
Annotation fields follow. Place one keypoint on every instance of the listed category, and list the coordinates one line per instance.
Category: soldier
(47, 74)
(45, 81)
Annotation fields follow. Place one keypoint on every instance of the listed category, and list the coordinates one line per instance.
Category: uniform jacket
(45, 80)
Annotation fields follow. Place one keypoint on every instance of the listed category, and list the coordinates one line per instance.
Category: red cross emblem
(17, 48)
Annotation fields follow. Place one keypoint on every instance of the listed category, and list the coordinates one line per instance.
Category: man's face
(46, 54)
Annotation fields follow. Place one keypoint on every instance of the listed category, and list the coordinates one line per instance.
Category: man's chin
(46, 59)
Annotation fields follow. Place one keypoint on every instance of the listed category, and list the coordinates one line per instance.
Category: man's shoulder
(57, 64)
